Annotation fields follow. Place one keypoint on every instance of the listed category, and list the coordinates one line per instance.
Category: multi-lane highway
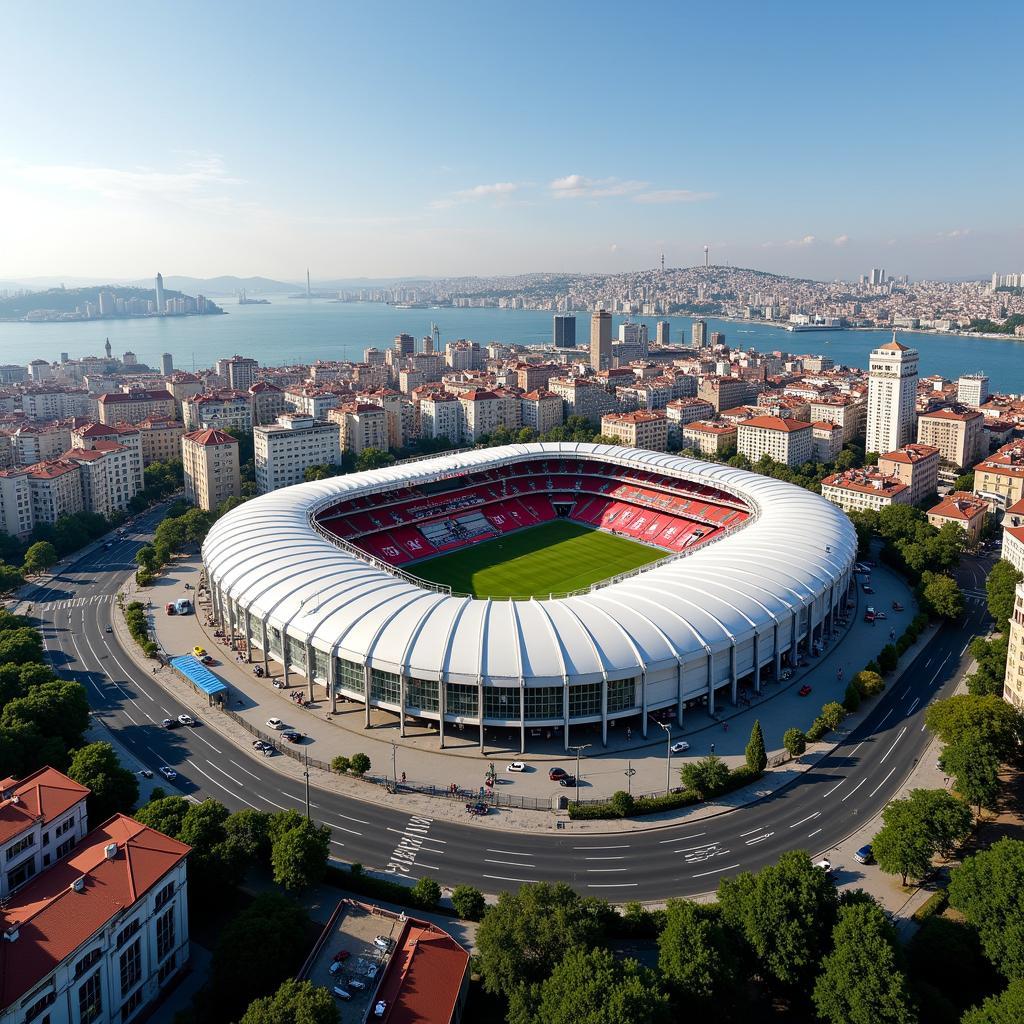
(826, 805)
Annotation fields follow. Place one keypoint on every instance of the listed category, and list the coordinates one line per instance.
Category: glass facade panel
(460, 699)
(321, 659)
(274, 640)
(385, 686)
(621, 694)
(422, 694)
(350, 675)
(543, 702)
(501, 702)
(585, 700)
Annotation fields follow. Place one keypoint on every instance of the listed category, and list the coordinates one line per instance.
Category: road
(816, 812)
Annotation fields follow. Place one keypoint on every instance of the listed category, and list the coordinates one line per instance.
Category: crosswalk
(74, 602)
(974, 596)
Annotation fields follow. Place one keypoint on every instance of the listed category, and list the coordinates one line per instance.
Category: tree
(956, 717)
(299, 856)
(1000, 587)
(527, 931)
(990, 656)
(165, 814)
(247, 836)
(832, 715)
(113, 789)
(902, 846)
(295, 1002)
(469, 902)
(974, 762)
(340, 764)
(592, 987)
(861, 981)
(359, 764)
(947, 953)
(986, 888)
(257, 950)
(426, 892)
(622, 803)
(373, 458)
(19, 646)
(706, 777)
(757, 759)
(795, 742)
(964, 482)
(785, 912)
(940, 593)
(947, 819)
(1005, 1008)
(10, 578)
(697, 953)
(59, 708)
(40, 556)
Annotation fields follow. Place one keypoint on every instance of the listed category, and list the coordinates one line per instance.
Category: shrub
(872, 666)
(852, 699)
(359, 764)
(935, 904)
(426, 892)
(887, 658)
(869, 683)
(622, 803)
(816, 731)
(832, 715)
(795, 742)
(340, 764)
(468, 902)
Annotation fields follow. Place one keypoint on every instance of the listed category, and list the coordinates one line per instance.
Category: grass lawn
(549, 559)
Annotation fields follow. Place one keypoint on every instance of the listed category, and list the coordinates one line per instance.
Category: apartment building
(857, 490)
(92, 434)
(287, 448)
(398, 410)
(957, 432)
(640, 429)
(440, 415)
(999, 479)
(32, 443)
(181, 387)
(847, 412)
(108, 476)
(57, 403)
(681, 411)
(541, 410)
(210, 463)
(95, 923)
(826, 441)
(316, 402)
(223, 409)
(916, 465)
(654, 393)
(134, 406)
(15, 502)
(535, 376)
(485, 411)
(723, 392)
(708, 437)
(362, 426)
(581, 396)
(964, 509)
(238, 371)
(1013, 681)
(267, 402)
(160, 440)
(892, 396)
(56, 489)
(787, 441)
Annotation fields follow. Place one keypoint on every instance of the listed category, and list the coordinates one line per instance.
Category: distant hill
(66, 300)
(226, 285)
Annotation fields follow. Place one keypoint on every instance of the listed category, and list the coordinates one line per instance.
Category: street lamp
(394, 763)
(629, 773)
(585, 746)
(668, 755)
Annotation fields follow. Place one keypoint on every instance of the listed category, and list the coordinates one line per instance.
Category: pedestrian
(403, 776)
(725, 726)
(629, 734)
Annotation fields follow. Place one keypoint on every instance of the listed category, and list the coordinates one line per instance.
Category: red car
(554, 774)
(804, 690)
(341, 955)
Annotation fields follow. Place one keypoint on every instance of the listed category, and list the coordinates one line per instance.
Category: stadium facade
(692, 628)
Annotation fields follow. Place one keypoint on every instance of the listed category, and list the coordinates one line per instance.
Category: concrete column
(778, 653)
(480, 710)
(401, 704)
(522, 717)
(711, 681)
(214, 604)
(332, 681)
(441, 710)
(366, 694)
(733, 679)
(310, 667)
(248, 637)
(604, 711)
(266, 646)
(679, 693)
(757, 663)
(643, 704)
(565, 715)
(792, 645)
(285, 653)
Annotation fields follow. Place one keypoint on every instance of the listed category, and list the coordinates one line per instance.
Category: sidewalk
(602, 773)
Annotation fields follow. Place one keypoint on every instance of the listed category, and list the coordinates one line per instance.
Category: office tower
(405, 345)
(428, 344)
(664, 335)
(706, 255)
(309, 292)
(629, 333)
(644, 340)
(601, 339)
(972, 390)
(877, 276)
(892, 397)
(167, 364)
(563, 331)
(699, 333)
(63, 357)
(717, 338)
(106, 303)
(159, 294)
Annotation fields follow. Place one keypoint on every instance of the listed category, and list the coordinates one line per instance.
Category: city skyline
(453, 145)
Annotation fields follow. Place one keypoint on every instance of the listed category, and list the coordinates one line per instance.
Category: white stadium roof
(267, 556)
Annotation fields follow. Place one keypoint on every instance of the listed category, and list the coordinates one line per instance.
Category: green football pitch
(552, 558)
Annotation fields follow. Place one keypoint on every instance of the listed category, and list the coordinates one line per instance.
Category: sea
(302, 330)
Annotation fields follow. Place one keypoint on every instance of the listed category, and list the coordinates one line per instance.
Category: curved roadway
(816, 812)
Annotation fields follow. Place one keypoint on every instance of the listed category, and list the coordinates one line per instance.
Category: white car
(681, 747)
(825, 864)
(516, 766)
(380, 1008)
(168, 773)
(186, 720)
(371, 971)
(382, 942)
(275, 723)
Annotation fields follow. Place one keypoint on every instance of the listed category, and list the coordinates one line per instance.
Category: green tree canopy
(299, 855)
(861, 981)
(295, 1002)
(40, 556)
(974, 762)
(795, 742)
(1005, 1008)
(1000, 587)
(469, 902)
(706, 776)
(964, 714)
(20, 646)
(902, 845)
(113, 788)
(697, 954)
(757, 759)
(373, 458)
(165, 814)
(58, 708)
(940, 593)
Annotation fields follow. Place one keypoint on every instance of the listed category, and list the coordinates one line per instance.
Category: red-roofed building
(210, 463)
(858, 489)
(132, 406)
(964, 509)
(97, 935)
(640, 429)
(916, 465)
(788, 441)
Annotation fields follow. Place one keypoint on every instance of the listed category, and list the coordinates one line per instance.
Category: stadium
(533, 587)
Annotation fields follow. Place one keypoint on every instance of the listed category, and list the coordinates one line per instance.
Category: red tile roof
(53, 920)
(960, 505)
(46, 793)
(789, 425)
(210, 437)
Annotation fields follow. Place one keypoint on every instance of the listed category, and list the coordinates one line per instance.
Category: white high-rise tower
(159, 294)
(892, 397)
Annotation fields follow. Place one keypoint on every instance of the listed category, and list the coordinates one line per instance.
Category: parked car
(896, 606)
(359, 986)
(372, 970)
(275, 723)
(169, 723)
(341, 993)
(554, 774)
(680, 747)
(567, 781)
(867, 588)
(168, 773)
(382, 942)
(341, 956)
(881, 615)
(291, 735)
(207, 660)
(380, 1008)
(804, 690)
(865, 855)
(825, 864)
(169, 608)
(145, 773)
(261, 745)
(199, 652)
(516, 766)
(186, 720)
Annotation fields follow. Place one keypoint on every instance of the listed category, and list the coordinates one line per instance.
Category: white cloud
(498, 191)
(955, 233)
(577, 186)
(841, 240)
(791, 243)
(673, 195)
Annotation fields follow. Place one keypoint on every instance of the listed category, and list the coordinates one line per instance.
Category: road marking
(350, 831)
(612, 885)
(273, 803)
(687, 849)
(426, 839)
(717, 871)
(336, 843)
(882, 783)
(678, 839)
(856, 748)
(884, 717)
(964, 651)
(834, 788)
(505, 878)
(509, 863)
(360, 821)
(758, 839)
(927, 663)
(854, 790)
(129, 717)
(221, 770)
(206, 741)
(605, 871)
(246, 770)
(910, 710)
(814, 833)
(625, 847)
(752, 831)
(220, 785)
(510, 853)
(893, 747)
(403, 856)
(802, 820)
(604, 858)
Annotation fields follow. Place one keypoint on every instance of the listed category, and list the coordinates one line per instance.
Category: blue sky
(448, 138)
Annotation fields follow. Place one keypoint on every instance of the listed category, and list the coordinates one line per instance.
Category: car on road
(869, 615)
(169, 723)
(145, 773)
(108, 629)
(380, 1008)
(275, 723)
(169, 608)
(207, 660)
(825, 864)
(804, 690)
(168, 773)
(186, 720)
(359, 986)
(372, 970)
(341, 993)
(680, 747)
(554, 774)
(567, 780)
(291, 735)
(341, 956)
(516, 766)
(865, 855)
(199, 652)
(881, 615)
(896, 606)
(867, 588)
